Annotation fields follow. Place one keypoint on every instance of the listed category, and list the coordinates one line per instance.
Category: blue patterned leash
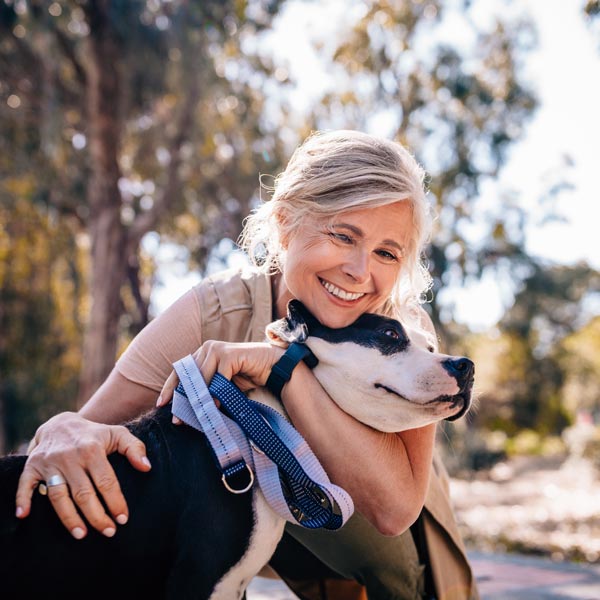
(254, 437)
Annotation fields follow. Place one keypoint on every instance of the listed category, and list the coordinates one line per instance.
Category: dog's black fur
(160, 553)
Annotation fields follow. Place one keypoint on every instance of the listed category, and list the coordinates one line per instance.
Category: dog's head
(380, 373)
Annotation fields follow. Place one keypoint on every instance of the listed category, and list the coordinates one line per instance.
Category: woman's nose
(357, 267)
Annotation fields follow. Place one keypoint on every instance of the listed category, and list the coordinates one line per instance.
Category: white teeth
(336, 291)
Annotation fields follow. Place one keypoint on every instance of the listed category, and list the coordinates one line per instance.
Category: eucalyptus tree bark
(107, 234)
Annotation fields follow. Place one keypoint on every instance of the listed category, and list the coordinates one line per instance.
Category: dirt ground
(532, 505)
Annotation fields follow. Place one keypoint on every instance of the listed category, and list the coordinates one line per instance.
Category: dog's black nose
(460, 368)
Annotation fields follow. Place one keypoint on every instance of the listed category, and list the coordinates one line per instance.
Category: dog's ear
(298, 313)
(294, 328)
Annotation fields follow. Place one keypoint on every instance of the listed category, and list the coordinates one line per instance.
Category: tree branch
(69, 52)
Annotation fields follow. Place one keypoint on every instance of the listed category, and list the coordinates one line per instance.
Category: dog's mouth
(380, 386)
(462, 400)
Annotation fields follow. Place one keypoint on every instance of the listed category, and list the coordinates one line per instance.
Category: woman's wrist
(283, 369)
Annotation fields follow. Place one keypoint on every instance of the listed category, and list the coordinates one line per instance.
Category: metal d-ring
(233, 490)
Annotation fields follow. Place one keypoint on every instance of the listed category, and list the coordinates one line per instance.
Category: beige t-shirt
(237, 306)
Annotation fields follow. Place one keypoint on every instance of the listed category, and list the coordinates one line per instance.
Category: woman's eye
(392, 333)
(386, 255)
(341, 237)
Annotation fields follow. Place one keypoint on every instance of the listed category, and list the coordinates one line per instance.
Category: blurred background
(132, 137)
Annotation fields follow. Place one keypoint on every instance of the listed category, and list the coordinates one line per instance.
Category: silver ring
(55, 480)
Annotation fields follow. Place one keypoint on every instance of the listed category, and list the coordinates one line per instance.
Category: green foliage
(186, 150)
(175, 57)
(41, 297)
(541, 368)
(579, 356)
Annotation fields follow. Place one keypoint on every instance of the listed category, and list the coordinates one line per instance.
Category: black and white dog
(187, 536)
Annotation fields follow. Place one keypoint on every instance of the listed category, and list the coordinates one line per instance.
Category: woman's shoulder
(234, 305)
(233, 289)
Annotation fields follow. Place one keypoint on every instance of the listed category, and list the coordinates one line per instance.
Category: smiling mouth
(339, 293)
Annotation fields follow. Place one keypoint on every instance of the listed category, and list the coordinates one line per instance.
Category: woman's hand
(70, 446)
(248, 365)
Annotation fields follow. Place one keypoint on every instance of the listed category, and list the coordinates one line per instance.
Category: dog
(187, 536)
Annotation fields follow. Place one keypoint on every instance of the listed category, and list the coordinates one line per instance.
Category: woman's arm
(386, 473)
(118, 400)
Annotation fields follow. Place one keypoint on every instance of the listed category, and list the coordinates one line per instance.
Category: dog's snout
(460, 368)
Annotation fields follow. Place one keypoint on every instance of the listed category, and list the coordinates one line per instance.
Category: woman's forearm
(118, 400)
(386, 473)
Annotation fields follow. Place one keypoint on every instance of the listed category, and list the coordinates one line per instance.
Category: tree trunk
(107, 234)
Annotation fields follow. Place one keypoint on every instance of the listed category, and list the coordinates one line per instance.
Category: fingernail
(109, 531)
(19, 512)
(146, 461)
(77, 533)
(121, 519)
(159, 401)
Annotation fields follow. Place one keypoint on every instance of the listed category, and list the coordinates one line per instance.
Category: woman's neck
(281, 296)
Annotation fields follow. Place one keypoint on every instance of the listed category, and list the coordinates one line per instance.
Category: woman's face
(346, 267)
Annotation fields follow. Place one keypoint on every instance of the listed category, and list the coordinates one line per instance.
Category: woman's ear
(284, 234)
(282, 227)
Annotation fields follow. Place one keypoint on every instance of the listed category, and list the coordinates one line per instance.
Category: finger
(66, 511)
(125, 443)
(243, 383)
(166, 394)
(176, 420)
(209, 364)
(108, 487)
(30, 478)
(80, 493)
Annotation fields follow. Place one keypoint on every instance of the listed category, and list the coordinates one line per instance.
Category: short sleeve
(232, 306)
(174, 333)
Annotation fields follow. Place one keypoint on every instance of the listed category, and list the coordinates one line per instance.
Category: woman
(343, 233)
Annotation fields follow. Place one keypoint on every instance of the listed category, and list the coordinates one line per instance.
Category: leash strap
(312, 504)
(200, 411)
(289, 474)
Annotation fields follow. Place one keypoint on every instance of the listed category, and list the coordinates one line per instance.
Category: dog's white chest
(267, 531)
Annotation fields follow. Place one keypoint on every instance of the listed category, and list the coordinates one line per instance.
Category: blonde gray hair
(338, 171)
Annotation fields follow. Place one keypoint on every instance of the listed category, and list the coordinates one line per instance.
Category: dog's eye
(392, 333)
(431, 348)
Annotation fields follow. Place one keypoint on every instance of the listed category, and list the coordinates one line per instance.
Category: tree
(134, 111)
(579, 355)
(41, 305)
(542, 353)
